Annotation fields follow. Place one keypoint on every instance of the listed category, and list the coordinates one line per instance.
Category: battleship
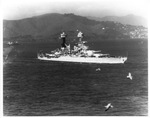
(80, 53)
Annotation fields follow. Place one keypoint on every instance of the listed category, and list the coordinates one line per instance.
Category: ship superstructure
(80, 53)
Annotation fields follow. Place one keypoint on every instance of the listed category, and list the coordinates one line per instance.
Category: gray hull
(100, 60)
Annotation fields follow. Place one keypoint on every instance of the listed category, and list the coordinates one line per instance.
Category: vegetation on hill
(48, 27)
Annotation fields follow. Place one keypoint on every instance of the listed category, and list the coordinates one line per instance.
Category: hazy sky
(17, 9)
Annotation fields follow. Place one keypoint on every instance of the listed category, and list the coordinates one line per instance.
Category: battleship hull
(100, 60)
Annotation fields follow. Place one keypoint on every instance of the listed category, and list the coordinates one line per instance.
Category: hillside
(47, 27)
(128, 19)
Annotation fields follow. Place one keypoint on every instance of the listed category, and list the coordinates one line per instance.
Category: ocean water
(39, 88)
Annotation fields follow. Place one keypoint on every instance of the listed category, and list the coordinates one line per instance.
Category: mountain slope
(129, 19)
(46, 25)
(49, 26)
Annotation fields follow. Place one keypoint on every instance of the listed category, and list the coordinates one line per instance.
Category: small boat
(98, 69)
(12, 43)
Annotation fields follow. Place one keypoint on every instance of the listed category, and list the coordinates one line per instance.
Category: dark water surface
(39, 88)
